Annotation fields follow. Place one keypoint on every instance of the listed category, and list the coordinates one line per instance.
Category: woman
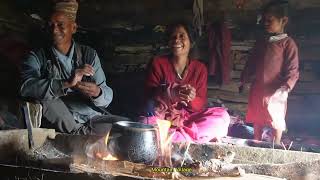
(176, 90)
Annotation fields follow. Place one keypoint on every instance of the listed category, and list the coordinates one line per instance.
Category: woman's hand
(186, 93)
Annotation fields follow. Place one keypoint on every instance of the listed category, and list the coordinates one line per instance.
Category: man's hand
(89, 89)
(87, 70)
(186, 92)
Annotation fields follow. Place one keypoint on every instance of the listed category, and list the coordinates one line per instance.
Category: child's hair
(278, 8)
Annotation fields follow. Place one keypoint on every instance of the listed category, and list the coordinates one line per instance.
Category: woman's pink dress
(194, 122)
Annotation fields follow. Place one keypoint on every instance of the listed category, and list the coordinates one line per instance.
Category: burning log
(124, 168)
(185, 167)
(165, 165)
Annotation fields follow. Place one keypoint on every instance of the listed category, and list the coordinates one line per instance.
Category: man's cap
(68, 7)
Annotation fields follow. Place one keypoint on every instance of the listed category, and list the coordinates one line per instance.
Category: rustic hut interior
(127, 35)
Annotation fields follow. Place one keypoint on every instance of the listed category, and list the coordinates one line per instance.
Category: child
(274, 63)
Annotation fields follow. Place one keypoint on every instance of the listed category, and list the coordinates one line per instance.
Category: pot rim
(126, 125)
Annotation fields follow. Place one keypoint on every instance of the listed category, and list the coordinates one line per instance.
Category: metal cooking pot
(133, 141)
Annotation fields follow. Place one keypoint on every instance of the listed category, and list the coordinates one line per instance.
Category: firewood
(218, 168)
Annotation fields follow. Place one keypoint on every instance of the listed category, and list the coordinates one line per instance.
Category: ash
(48, 151)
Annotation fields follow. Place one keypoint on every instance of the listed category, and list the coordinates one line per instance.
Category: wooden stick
(185, 153)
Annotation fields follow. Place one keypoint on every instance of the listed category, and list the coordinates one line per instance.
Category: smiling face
(179, 41)
(273, 24)
(61, 29)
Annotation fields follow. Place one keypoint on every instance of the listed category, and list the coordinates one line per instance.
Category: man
(67, 78)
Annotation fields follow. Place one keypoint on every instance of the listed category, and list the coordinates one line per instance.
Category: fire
(102, 153)
(163, 126)
(109, 157)
(165, 142)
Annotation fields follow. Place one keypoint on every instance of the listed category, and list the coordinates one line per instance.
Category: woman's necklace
(180, 75)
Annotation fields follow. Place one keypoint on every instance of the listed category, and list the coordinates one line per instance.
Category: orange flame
(106, 156)
(109, 157)
(163, 126)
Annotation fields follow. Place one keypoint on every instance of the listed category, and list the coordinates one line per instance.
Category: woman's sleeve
(155, 87)
(200, 100)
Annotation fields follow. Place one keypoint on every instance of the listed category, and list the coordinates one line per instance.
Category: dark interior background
(126, 35)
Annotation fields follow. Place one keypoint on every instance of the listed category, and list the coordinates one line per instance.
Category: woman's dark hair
(193, 53)
(171, 28)
(278, 8)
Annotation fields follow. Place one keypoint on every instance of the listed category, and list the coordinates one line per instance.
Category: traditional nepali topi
(69, 7)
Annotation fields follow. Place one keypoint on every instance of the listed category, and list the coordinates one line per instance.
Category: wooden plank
(309, 54)
(132, 58)
(242, 107)
(134, 49)
(308, 76)
(307, 88)
(228, 96)
(233, 86)
(307, 66)
(235, 74)
(239, 67)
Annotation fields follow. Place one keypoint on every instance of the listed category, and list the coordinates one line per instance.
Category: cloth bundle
(277, 106)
